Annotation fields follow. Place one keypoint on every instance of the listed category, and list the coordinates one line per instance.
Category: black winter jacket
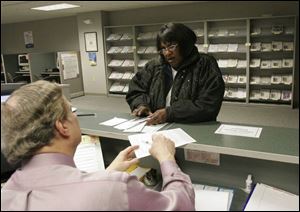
(197, 92)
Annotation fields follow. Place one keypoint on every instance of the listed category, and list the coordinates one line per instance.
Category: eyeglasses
(170, 48)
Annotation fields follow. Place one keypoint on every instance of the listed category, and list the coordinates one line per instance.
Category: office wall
(203, 10)
(212, 10)
(67, 33)
(94, 77)
(52, 35)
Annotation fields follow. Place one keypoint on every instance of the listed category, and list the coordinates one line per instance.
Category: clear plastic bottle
(248, 183)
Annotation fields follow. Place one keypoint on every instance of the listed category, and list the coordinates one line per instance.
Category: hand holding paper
(162, 148)
(178, 136)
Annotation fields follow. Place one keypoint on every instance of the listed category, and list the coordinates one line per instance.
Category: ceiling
(19, 11)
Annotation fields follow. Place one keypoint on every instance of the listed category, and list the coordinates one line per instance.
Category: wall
(52, 35)
(211, 11)
(203, 10)
(94, 77)
(67, 33)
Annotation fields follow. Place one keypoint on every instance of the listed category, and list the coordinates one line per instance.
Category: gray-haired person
(39, 129)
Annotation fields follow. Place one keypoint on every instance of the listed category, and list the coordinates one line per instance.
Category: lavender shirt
(52, 182)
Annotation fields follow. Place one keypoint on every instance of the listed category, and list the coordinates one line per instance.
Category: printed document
(88, 156)
(112, 122)
(237, 130)
(178, 136)
(267, 198)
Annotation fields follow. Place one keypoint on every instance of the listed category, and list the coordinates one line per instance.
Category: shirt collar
(46, 159)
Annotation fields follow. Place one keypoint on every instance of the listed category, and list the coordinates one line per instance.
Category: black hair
(177, 33)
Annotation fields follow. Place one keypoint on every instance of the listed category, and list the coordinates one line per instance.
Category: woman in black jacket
(181, 85)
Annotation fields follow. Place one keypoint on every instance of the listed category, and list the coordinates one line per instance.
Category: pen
(86, 114)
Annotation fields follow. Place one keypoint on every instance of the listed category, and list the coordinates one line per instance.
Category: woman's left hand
(158, 117)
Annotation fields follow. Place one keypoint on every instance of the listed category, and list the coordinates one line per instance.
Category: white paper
(267, 198)
(178, 136)
(232, 47)
(206, 200)
(130, 123)
(153, 128)
(237, 130)
(70, 65)
(88, 156)
(4, 98)
(112, 122)
(74, 109)
(137, 128)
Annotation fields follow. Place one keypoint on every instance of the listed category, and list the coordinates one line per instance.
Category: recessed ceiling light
(55, 7)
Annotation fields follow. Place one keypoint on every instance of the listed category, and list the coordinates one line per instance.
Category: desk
(272, 159)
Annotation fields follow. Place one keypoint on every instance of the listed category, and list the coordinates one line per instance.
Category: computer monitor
(23, 59)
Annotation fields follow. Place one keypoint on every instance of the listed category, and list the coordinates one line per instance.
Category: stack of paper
(266, 47)
(288, 46)
(142, 63)
(213, 48)
(88, 156)
(133, 125)
(114, 50)
(232, 47)
(287, 79)
(276, 79)
(127, 49)
(126, 36)
(287, 63)
(115, 63)
(141, 49)
(151, 50)
(254, 63)
(255, 95)
(286, 95)
(127, 75)
(116, 75)
(255, 47)
(146, 35)
(267, 198)
(117, 87)
(211, 198)
(275, 94)
(200, 47)
(128, 63)
(199, 32)
(114, 37)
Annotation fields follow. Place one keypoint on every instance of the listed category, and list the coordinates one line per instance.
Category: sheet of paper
(137, 128)
(267, 198)
(88, 156)
(208, 200)
(236, 130)
(144, 140)
(114, 121)
(130, 123)
(153, 128)
(4, 98)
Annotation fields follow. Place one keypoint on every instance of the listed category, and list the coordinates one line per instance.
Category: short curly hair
(28, 119)
(178, 33)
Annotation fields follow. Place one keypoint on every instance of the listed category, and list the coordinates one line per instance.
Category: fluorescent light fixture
(55, 7)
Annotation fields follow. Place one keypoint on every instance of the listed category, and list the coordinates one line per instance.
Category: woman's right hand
(141, 111)
(162, 148)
